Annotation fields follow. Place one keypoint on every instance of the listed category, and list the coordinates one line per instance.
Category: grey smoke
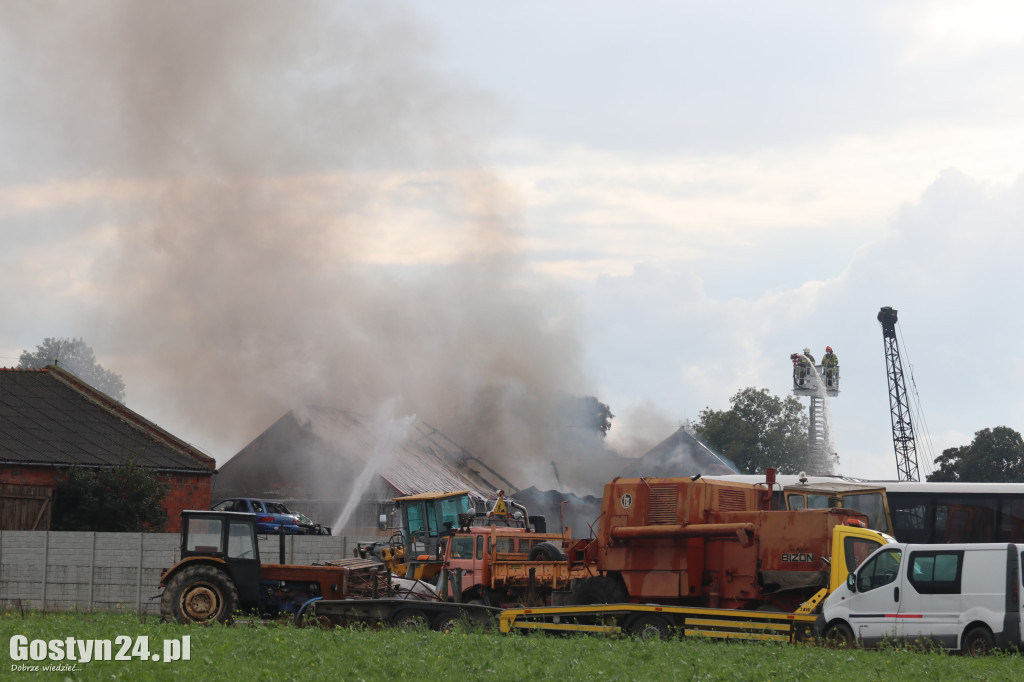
(265, 177)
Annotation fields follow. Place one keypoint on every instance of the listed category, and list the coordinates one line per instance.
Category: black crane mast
(902, 429)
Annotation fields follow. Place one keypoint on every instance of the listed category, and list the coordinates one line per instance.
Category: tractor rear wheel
(199, 594)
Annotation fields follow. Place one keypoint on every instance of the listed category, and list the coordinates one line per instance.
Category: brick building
(50, 420)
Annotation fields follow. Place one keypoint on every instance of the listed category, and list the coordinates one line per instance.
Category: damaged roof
(323, 451)
(681, 454)
(50, 417)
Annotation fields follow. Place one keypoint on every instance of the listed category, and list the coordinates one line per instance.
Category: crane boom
(903, 439)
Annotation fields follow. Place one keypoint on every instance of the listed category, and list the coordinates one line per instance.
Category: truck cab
(502, 565)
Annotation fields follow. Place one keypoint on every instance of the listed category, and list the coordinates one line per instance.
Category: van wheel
(199, 594)
(839, 635)
(977, 642)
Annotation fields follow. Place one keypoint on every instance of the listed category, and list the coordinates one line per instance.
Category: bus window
(966, 520)
(910, 521)
(1011, 524)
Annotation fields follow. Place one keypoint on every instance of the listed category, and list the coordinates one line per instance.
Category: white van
(960, 596)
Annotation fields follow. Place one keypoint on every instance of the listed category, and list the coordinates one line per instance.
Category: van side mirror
(851, 582)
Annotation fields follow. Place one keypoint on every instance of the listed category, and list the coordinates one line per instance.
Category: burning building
(343, 468)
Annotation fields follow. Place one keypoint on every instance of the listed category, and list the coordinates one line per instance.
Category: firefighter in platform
(829, 363)
(801, 366)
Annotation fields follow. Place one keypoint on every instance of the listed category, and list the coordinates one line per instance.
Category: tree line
(761, 430)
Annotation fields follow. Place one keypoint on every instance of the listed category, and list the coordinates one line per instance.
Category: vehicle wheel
(650, 626)
(977, 642)
(546, 551)
(446, 622)
(199, 594)
(602, 589)
(839, 635)
(410, 619)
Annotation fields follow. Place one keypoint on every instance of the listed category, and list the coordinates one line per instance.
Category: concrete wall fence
(62, 571)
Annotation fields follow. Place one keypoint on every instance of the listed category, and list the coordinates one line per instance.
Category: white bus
(934, 513)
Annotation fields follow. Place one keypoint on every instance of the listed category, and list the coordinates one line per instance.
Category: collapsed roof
(329, 453)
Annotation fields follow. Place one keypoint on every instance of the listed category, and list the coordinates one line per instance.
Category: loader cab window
(879, 570)
(414, 521)
(241, 541)
(449, 509)
(479, 546)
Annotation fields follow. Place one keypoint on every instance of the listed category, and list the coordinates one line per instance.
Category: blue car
(269, 518)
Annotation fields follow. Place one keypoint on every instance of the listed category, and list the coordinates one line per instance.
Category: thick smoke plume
(286, 205)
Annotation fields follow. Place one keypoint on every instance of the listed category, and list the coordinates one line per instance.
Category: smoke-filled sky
(464, 210)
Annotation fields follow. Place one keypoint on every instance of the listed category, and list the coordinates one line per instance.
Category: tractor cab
(216, 544)
(220, 573)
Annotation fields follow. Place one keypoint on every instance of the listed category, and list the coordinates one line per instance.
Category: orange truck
(503, 566)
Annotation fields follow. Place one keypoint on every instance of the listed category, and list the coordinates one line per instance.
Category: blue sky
(655, 204)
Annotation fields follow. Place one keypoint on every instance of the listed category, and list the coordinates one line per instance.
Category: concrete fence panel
(60, 571)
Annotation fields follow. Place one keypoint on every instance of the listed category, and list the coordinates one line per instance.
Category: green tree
(994, 456)
(761, 430)
(126, 498)
(78, 358)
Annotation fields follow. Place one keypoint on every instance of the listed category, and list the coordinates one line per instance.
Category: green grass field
(277, 651)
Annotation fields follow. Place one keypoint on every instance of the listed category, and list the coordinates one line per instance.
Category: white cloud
(959, 28)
